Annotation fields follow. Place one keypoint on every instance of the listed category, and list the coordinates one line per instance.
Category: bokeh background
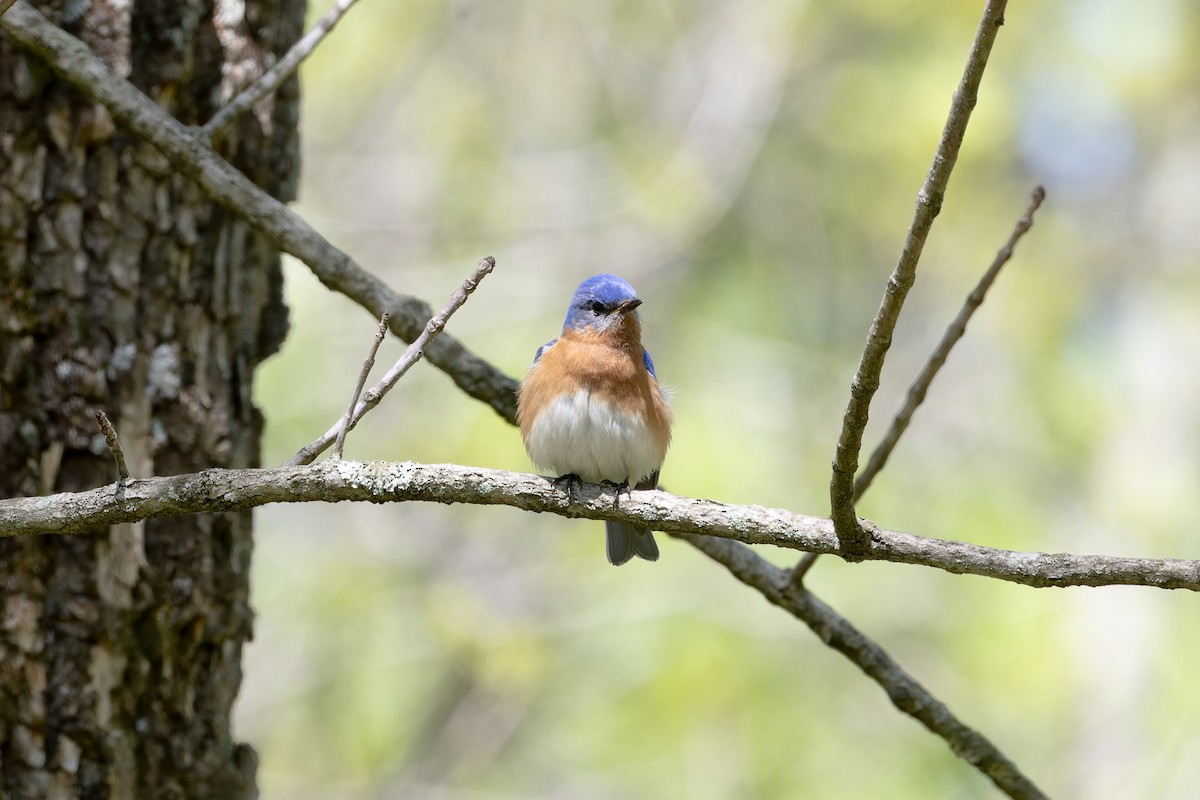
(751, 168)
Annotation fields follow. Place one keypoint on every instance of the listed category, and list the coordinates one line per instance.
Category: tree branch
(905, 692)
(191, 155)
(955, 331)
(411, 356)
(378, 482)
(929, 202)
(347, 421)
(114, 445)
(270, 80)
(916, 392)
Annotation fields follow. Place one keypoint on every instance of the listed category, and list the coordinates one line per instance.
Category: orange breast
(609, 370)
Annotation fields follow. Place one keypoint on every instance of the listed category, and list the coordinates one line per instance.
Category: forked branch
(929, 202)
(919, 387)
(411, 356)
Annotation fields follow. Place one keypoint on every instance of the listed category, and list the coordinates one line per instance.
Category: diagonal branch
(916, 392)
(411, 356)
(905, 692)
(191, 155)
(381, 481)
(879, 338)
(270, 80)
(347, 421)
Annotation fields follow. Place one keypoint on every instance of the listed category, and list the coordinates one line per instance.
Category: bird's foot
(620, 487)
(571, 480)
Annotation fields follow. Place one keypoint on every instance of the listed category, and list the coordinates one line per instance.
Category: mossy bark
(123, 288)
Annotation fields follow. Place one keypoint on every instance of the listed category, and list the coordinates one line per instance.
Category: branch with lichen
(379, 482)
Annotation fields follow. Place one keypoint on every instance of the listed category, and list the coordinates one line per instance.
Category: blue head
(601, 301)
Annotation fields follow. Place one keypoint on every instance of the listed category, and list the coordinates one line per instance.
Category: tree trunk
(123, 288)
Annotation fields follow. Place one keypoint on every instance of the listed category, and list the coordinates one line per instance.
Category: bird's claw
(620, 487)
(571, 480)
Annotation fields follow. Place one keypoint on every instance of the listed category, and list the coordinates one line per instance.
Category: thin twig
(802, 567)
(879, 338)
(916, 392)
(955, 331)
(380, 482)
(270, 80)
(346, 425)
(192, 156)
(905, 692)
(114, 445)
(413, 354)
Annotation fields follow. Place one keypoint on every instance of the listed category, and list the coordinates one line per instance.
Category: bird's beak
(628, 305)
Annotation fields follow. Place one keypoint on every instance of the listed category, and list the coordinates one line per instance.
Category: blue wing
(548, 345)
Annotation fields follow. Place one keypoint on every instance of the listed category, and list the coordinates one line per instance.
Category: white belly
(579, 434)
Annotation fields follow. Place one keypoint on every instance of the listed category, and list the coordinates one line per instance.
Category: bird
(591, 408)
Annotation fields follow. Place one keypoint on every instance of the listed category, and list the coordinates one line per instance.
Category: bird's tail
(625, 542)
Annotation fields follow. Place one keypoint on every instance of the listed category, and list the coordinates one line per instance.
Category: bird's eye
(597, 307)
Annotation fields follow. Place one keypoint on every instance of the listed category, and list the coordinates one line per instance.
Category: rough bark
(334, 481)
(123, 288)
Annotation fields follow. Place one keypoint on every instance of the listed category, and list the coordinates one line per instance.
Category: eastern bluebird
(591, 409)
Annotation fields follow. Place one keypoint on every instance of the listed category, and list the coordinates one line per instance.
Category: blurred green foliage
(751, 168)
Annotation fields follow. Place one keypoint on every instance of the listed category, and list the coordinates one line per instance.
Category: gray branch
(916, 392)
(412, 355)
(114, 445)
(955, 331)
(905, 692)
(346, 423)
(190, 154)
(879, 338)
(380, 482)
(271, 80)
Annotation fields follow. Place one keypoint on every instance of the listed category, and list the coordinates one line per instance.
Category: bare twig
(191, 155)
(916, 392)
(270, 80)
(905, 692)
(346, 423)
(114, 444)
(411, 356)
(378, 482)
(802, 567)
(879, 338)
